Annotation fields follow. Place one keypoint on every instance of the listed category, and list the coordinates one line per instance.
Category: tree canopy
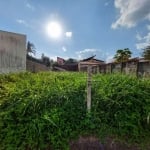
(122, 55)
(46, 60)
(146, 52)
(70, 60)
(30, 48)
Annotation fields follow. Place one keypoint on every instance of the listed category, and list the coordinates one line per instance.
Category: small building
(91, 61)
(12, 52)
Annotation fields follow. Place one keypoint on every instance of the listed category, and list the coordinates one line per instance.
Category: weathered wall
(144, 69)
(131, 67)
(116, 67)
(34, 66)
(108, 68)
(12, 52)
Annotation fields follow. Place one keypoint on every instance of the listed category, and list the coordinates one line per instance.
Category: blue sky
(88, 27)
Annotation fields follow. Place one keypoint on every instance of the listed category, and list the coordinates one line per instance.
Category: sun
(54, 30)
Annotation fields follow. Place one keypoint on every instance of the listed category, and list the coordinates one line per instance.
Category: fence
(137, 67)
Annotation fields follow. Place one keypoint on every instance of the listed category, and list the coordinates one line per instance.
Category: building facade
(12, 52)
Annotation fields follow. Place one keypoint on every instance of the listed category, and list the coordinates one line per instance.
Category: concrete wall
(12, 52)
(144, 69)
(108, 68)
(34, 66)
(132, 67)
(116, 67)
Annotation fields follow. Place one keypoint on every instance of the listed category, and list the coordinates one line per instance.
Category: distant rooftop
(91, 58)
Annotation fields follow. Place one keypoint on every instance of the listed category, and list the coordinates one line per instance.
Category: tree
(146, 52)
(46, 60)
(30, 48)
(122, 55)
(70, 61)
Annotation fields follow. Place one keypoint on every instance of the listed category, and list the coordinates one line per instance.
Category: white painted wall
(12, 52)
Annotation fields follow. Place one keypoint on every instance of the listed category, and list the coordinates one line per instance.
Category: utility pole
(89, 84)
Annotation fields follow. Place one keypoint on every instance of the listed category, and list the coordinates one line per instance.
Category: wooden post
(79, 66)
(89, 83)
(137, 68)
(121, 67)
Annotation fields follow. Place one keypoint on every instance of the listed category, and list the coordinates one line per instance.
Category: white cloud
(131, 12)
(139, 37)
(53, 58)
(87, 53)
(68, 34)
(21, 21)
(102, 55)
(64, 48)
(148, 27)
(30, 6)
(106, 3)
(110, 58)
(143, 41)
(140, 46)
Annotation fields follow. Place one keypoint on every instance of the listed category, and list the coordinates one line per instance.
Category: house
(91, 61)
(81, 65)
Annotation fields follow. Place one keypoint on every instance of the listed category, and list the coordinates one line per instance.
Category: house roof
(92, 59)
(89, 58)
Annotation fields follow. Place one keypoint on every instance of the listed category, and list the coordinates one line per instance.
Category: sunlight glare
(54, 30)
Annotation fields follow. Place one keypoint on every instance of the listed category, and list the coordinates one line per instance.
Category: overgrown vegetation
(49, 109)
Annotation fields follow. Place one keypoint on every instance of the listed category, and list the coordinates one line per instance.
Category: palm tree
(30, 48)
(146, 53)
(122, 55)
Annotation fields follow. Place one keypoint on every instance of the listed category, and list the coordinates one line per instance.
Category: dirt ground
(92, 143)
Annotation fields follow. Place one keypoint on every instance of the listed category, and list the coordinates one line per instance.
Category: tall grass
(49, 109)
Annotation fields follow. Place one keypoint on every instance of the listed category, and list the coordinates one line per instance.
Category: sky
(79, 28)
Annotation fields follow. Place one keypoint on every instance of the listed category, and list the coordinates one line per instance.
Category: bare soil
(93, 143)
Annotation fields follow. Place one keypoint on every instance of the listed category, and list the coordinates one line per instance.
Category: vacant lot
(43, 110)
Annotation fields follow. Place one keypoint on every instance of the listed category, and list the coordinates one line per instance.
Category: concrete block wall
(144, 69)
(33, 66)
(12, 52)
(133, 68)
